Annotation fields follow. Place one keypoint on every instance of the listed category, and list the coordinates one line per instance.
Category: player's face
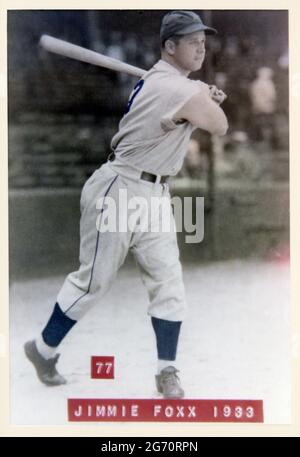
(189, 53)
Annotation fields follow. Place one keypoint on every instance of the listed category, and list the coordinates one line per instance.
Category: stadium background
(63, 113)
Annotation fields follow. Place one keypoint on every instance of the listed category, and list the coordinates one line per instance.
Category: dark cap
(182, 23)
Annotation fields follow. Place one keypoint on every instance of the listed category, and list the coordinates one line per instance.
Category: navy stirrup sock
(57, 328)
(167, 333)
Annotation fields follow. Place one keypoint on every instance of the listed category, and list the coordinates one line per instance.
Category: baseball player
(162, 112)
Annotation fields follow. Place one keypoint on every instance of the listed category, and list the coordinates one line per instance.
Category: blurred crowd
(256, 80)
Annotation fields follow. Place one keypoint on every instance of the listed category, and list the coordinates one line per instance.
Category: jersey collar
(162, 65)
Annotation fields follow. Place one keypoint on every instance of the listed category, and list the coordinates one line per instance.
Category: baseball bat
(66, 49)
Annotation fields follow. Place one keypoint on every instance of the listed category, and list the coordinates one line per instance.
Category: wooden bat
(64, 48)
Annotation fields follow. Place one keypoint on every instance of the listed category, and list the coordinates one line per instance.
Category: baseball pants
(103, 252)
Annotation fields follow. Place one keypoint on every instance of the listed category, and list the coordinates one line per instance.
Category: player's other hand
(217, 95)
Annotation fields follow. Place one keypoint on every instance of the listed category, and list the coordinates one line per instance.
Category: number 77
(107, 367)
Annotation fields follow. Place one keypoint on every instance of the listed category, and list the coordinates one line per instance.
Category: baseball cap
(182, 23)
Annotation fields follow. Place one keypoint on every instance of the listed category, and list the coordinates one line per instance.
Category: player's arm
(202, 112)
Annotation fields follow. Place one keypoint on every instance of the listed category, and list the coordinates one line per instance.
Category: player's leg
(101, 255)
(157, 255)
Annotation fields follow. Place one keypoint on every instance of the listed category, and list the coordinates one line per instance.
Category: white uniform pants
(102, 254)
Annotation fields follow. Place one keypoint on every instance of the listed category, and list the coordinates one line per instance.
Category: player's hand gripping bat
(217, 95)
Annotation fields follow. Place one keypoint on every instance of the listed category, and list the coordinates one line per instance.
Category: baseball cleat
(168, 384)
(45, 368)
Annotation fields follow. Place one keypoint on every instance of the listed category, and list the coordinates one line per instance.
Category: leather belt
(152, 178)
(144, 175)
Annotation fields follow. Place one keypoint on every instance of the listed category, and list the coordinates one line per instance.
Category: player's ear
(170, 47)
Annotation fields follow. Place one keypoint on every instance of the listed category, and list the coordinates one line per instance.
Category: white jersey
(148, 138)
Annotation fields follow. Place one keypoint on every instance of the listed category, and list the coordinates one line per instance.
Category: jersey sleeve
(180, 91)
